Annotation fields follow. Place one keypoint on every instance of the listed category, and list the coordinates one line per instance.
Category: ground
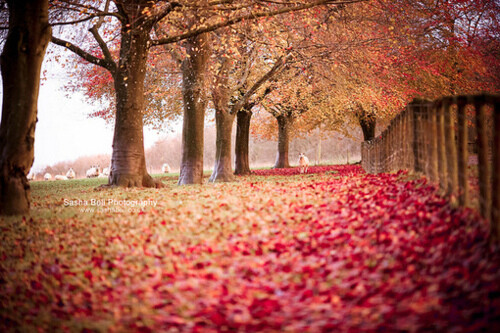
(332, 250)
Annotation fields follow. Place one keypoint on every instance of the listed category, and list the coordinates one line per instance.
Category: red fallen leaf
(306, 294)
(170, 319)
(72, 287)
(87, 330)
(217, 318)
(264, 307)
(88, 275)
(67, 272)
(97, 261)
(161, 304)
(141, 329)
(36, 285)
(200, 265)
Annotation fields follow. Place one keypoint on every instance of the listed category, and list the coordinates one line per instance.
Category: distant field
(332, 250)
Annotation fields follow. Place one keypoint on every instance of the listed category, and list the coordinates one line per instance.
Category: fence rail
(453, 141)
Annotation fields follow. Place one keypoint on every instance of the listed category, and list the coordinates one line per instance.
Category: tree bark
(21, 61)
(284, 124)
(223, 171)
(195, 102)
(128, 162)
(242, 164)
(224, 118)
(368, 123)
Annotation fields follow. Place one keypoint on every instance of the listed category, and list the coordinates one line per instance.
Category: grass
(84, 199)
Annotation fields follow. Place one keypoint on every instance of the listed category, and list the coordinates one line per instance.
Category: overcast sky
(64, 132)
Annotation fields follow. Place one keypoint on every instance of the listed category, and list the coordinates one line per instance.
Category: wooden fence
(453, 141)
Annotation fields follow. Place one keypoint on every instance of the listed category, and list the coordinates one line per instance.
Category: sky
(64, 132)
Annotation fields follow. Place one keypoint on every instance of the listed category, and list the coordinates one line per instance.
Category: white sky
(64, 132)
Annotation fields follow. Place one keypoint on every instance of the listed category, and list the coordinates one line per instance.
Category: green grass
(61, 198)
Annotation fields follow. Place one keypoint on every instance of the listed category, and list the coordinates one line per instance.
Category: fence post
(441, 146)
(426, 138)
(411, 133)
(482, 157)
(385, 145)
(416, 135)
(397, 142)
(404, 140)
(495, 210)
(451, 148)
(380, 154)
(408, 139)
(370, 157)
(433, 143)
(389, 161)
(462, 152)
(389, 164)
(363, 156)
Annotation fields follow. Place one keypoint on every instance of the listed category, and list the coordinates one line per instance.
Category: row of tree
(312, 63)
(320, 147)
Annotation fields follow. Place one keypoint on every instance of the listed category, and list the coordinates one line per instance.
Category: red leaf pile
(336, 251)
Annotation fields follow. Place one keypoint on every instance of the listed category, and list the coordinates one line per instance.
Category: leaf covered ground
(332, 250)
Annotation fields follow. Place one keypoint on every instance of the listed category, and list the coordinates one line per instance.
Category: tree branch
(159, 16)
(95, 32)
(251, 16)
(246, 72)
(88, 18)
(102, 44)
(243, 100)
(109, 65)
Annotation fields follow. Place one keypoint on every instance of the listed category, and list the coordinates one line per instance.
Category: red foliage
(346, 251)
(341, 170)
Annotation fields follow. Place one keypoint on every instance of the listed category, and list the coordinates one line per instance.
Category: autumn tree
(291, 93)
(377, 56)
(21, 60)
(274, 49)
(131, 25)
(241, 145)
(242, 71)
(294, 97)
(162, 96)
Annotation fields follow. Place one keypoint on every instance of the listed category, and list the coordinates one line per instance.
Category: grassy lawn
(332, 250)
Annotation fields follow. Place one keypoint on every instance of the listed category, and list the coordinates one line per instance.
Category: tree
(181, 21)
(163, 88)
(22, 56)
(284, 117)
(378, 56)
(241, 145)
(239, 78)
(195, 103)
(367, 122)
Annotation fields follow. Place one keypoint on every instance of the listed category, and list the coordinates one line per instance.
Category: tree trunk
(242, 165)
(195, 102)
(128, 162)
(367, 123)
(318, 151)
(284, 124)
(223, 171)
(21, 60)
